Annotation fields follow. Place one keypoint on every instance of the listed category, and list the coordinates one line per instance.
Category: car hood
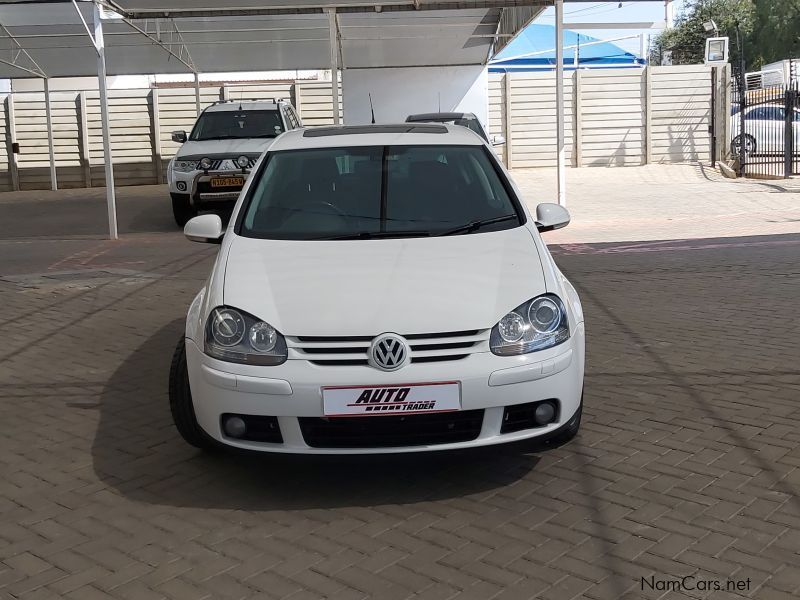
(224, 147)
(367, 287)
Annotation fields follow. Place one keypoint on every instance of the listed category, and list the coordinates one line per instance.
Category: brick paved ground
(687, 463)
(664, 202)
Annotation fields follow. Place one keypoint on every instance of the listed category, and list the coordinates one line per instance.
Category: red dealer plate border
(393, 385)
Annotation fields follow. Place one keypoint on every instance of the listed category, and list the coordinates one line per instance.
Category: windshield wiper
(376, 235)
(476, 225)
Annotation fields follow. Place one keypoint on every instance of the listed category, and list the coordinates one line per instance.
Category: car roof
(399, 134)
(440, 116)
(234, 105)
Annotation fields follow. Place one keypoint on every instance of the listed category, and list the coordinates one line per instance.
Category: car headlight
(243, 161)
(535, 325)
(235, 336)
(205, 163)
(184, 166)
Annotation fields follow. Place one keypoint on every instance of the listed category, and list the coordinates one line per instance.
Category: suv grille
(353, 350)
(217, 162)
(392, 430)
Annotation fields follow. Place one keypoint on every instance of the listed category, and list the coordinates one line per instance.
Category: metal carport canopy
(68, 38)
(179, 36)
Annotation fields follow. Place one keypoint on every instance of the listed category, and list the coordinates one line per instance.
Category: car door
(796, 129)
(755, 127)
(773, 125)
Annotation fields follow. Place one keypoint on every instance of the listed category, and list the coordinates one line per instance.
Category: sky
(610, 12)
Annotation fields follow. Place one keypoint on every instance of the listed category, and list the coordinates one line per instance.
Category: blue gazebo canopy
(534, 50)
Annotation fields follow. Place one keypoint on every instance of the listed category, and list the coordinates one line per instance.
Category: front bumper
(197, 184)
(292, 392)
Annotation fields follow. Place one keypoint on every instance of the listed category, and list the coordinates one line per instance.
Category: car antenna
(440, 102)
(372, 110)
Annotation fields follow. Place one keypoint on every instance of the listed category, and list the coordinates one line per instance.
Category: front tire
(563, 435)
(182, 209)
(180, 402)
(749, 145)
(571, 428)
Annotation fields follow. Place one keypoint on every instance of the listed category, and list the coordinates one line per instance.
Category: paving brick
(687, 460)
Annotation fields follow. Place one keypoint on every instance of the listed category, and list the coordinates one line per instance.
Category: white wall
(399, 92)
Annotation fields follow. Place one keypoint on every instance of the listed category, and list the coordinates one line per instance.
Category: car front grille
(353, 350)
(217, 162)
(392, 430)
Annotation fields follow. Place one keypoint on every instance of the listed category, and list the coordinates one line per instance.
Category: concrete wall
(141, 124)
(397, 93)
(613, 118)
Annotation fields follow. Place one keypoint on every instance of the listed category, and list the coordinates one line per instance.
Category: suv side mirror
(551, 216)
(205, 228)
(179, 136)
(498, 140)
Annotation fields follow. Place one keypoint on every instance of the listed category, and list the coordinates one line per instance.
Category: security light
(716, 50)
(710, 26)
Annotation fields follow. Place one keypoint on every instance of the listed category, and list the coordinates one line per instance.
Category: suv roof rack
(273, 100)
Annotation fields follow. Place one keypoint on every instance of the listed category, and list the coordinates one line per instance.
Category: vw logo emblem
(388, 352)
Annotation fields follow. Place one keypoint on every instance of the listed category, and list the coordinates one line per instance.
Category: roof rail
(229, 100)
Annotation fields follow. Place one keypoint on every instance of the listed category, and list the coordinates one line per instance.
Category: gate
(765, 128)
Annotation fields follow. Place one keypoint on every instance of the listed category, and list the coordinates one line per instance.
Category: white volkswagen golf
(379, 289)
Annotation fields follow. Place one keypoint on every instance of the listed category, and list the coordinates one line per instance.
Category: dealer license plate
(226, 181)
(391, 400)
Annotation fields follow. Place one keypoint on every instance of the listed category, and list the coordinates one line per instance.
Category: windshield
(233, 124)
(378, 191)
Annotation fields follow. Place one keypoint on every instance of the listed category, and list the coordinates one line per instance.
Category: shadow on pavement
(138, 452)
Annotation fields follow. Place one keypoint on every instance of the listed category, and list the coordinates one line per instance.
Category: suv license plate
(403, 399)
(226, 181)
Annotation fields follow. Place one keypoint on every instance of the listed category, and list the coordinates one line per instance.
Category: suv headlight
(184, 166)
(535, 325)
(235, 336)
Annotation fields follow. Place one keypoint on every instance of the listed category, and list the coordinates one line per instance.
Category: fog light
(544, 413)
(234, 427)
(181, 185)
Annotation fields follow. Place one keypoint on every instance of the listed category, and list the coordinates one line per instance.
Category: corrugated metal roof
(178, 36)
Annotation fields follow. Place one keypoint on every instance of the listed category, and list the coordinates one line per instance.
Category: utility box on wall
(399, 92)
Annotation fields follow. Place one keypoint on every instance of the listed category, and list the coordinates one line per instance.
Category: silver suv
(213, 163)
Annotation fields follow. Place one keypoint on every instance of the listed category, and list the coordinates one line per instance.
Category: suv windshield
(378, 192)
(228, 124)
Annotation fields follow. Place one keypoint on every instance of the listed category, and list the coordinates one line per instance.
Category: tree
(687, 39)
(776, 32)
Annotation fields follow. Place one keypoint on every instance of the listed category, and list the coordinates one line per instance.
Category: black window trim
(491, 157)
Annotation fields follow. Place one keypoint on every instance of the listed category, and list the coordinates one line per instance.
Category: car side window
(756, 114)
(291, 117)
(287, 117)
(773, 113)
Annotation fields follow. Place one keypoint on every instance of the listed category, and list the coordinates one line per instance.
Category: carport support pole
(109, 166)
(561, 148)
(49, 115)
(334, 38)
(197, 92)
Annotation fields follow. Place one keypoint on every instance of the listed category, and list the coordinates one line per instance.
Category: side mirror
(498, 140)
(205, 228)
(179, 136)
(551, 216)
